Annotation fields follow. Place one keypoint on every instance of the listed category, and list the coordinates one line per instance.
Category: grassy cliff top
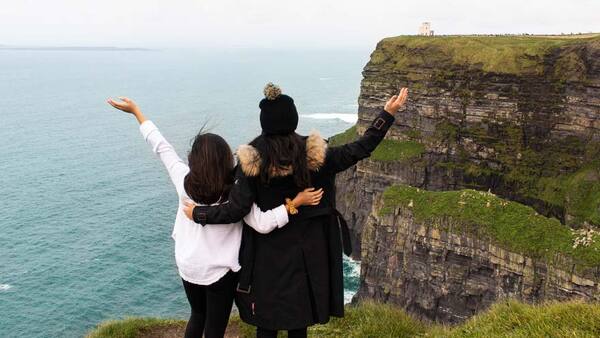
(387, 151)
(512, 225)
(504, 319)
(494, 54)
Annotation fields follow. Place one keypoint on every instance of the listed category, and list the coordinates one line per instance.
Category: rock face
(517, 115)
(447, 275)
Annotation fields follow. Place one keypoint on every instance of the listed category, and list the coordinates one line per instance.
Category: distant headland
(75, 48)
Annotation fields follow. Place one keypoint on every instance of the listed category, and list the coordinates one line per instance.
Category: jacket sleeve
(241, 198)
(343, 157)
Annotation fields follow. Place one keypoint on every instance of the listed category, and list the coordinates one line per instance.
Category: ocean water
(86, 210)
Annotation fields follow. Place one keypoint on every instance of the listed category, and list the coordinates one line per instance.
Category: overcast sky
(276, 23)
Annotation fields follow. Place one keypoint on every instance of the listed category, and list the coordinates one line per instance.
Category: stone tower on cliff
(425, 29)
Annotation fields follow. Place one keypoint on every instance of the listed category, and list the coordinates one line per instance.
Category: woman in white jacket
(207, 256)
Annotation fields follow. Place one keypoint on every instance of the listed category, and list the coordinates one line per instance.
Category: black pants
(264, 333)
(211, 307)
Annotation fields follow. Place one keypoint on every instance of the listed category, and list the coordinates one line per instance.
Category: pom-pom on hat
(278, 114)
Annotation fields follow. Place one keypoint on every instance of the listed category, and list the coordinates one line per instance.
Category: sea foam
(4, 287)
(348, 118)
(351, 273)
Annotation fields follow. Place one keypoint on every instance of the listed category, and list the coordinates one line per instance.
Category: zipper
(253, 309)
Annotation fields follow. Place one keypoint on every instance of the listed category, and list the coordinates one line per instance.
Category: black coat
(292, 277)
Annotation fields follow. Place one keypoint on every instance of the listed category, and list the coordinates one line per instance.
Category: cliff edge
(516, 116)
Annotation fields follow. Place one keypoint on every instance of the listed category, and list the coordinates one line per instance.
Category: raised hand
(309, 196)
(126, 104)
(396, 102)
(129, 106)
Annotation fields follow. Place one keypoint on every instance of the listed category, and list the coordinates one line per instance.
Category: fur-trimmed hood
(250, 160)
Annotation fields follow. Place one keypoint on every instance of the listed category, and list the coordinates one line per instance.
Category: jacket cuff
(200, 214)
(383, 121)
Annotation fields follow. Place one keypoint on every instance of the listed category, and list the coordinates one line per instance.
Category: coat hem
(256, 323)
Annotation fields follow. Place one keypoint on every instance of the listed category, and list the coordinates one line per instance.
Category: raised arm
(176, 168)
(342, 157)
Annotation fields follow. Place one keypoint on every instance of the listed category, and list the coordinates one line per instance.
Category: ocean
(86, 209)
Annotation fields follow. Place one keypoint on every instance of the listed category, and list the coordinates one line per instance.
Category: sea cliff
(516, 116)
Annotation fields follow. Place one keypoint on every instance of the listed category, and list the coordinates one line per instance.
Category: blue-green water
(86, 210)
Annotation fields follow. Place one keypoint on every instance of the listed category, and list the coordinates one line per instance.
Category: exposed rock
(518, 116)
(522, 130)
(448, 275)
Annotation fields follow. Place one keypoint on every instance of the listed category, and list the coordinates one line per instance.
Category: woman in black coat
(292, 277)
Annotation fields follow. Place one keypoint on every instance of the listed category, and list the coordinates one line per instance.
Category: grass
(369, 319)
(132, 327)
(516, 320)
(538, 174)
(387, 151)
(373, 320)
(563, 173)
(512, 225)
(350, 135)
(578, 193)
(495, 54)
(391, 150)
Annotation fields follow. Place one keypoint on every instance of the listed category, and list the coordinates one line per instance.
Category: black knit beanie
(278, 113)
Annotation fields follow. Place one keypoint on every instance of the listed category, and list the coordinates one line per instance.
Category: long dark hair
(283, 154)
(211, 169)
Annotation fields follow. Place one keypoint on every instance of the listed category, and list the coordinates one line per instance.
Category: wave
(348, 295)
(355, 265)
(348, 118)
(4, 287)
(351, 278)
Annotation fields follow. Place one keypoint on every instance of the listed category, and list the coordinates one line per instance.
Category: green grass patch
(132, 327)
(578, 193)
(374, 320)
(512, 225)
(518, 320)
(563, 173)
(371, 320)
(496, 54)
(368, 319)
(391, 150)
(350, 135)
(387, 151)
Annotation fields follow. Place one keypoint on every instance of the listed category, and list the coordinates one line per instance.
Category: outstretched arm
(342, 157)
(176, 168)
